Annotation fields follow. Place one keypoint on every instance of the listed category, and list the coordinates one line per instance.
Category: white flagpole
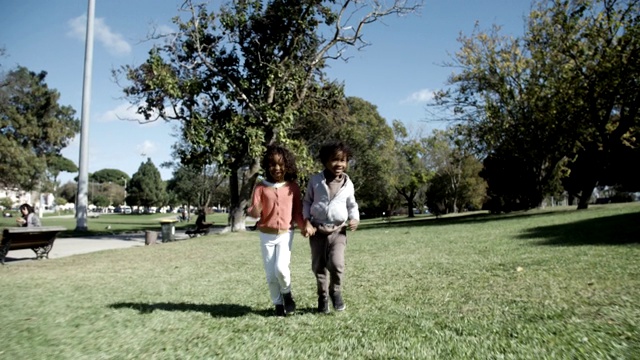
(81, 198)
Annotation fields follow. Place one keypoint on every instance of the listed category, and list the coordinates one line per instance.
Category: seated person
(29, 217)
(201, 221)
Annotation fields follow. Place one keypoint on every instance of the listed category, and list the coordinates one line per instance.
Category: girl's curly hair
(291, 170)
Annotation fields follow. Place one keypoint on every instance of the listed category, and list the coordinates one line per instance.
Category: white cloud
(146, 148)
(113, 42)
(127, 112)
(121, 112)
(418, 97)
(164, 30)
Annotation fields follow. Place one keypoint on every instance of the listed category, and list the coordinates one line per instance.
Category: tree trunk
(410, 206)
(241, 188)
(585, 194)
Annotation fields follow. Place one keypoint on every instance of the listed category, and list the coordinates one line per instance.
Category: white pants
(276, 256)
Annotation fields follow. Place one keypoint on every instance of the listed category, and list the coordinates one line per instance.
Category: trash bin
(150, 237)
(168, 230)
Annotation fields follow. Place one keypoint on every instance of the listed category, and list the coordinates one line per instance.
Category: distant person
(329, 208)
(277, 202)
(201, 220)
(29, 217)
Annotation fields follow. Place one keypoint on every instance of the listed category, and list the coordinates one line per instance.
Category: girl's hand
(255, 210)
(308, 230)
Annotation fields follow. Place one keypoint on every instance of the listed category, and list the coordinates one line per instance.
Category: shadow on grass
(215, 310)
(611, 230)
(457, 219)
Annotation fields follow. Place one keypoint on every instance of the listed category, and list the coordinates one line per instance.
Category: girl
(29, 217)
(278, 205)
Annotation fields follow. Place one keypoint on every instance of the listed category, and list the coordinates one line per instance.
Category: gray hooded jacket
(319, 209)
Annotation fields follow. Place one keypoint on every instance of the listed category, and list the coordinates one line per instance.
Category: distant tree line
(554, 111)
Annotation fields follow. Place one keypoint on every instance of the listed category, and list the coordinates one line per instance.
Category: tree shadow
(215, 310)
(611, 230)
(457, 219)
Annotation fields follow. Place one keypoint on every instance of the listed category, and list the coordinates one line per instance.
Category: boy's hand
(353, 224)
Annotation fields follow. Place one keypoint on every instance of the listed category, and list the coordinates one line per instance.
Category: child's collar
(329, 176)
(275, 185)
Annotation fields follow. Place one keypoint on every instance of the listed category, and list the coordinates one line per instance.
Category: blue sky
(398, 72)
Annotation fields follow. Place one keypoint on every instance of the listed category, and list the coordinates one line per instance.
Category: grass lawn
(110, 223)
(556, 284)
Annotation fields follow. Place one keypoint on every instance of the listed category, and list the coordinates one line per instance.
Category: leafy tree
(554, 102)
(34, 128)
(60, 201)
(358, 123)
(237, 77)
(195, 186)
(597, 46)
(412, 173)
(456, 184)
(57, 164)
(109, 175)
(220, 196)
(6, 202)
(68, 191)
(100, 200)
(146, 187)
(505, 103)
(373, 144)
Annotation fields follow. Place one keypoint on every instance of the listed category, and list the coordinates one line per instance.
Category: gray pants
(327, 258)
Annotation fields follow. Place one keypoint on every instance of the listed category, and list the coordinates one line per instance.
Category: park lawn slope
(535, 285)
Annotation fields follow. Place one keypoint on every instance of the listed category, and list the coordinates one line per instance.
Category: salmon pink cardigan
(281, 206)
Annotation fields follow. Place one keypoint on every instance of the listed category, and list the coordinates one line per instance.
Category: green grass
(557, 284)
(117, 223)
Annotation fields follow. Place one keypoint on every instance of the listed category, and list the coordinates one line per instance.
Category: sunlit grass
(536, 285)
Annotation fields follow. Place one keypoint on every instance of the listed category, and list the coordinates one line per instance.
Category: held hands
(353, 224)
(308, 229)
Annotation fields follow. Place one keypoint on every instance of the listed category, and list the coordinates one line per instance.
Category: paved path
(73, 246)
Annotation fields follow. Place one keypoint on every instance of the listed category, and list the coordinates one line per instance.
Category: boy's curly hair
(331, 148)
(291, 170)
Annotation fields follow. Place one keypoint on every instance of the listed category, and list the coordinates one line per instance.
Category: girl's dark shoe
(289, 303)
(323, 305)
(280, 310)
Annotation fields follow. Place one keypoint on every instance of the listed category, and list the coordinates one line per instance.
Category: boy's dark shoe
(280, 310)
(289, 303)
(338, 304)
(323, 305)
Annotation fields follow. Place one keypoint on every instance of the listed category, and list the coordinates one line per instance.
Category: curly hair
(291, 170)
(331, 148)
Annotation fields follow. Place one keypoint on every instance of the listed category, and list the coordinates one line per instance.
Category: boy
(329, 207)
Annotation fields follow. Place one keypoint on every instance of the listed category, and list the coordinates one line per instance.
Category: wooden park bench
(39, 239)
(197, 231)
